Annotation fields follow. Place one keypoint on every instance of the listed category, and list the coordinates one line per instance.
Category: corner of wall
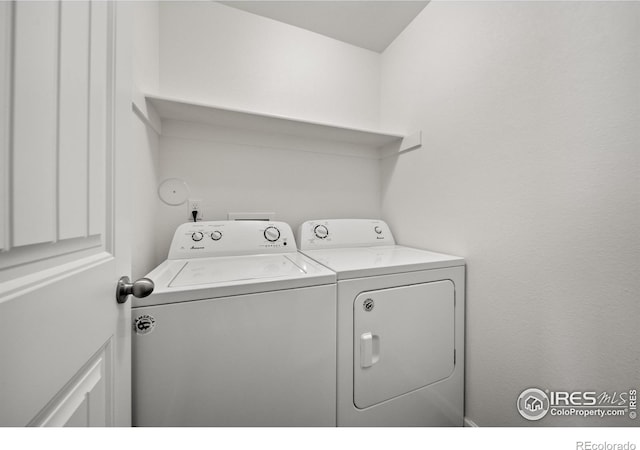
(146, 131)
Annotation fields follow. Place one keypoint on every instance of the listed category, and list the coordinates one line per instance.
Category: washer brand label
(144, 324)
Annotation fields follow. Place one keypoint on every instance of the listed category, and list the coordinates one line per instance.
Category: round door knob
(216, 235)
(197, 236)
(271, 234)
(140, 288)
(321, 231)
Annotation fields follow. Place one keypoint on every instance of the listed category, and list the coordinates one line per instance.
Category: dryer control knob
(378, 230)
(197, 236)
(321, 231)
(216, 235)
(271, 234)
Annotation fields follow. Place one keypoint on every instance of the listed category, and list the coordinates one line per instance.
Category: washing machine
(240, 331)
(400, 325)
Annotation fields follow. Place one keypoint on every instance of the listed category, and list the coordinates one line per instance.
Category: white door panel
(98, 89)
(49, 332)
(34, 131)
(5, 110)
(84, 402)
(403, 340)
(64, 341)
(73, 129)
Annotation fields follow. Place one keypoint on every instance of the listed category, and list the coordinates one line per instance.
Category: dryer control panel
(229, 238)
(341, 233)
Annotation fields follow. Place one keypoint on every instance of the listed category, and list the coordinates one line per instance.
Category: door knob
(139, 288)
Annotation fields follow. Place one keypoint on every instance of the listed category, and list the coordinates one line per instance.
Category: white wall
(239, 171)
(215, 54)
(146, 45)
(145, 149)
(223, 56)
(529, 169)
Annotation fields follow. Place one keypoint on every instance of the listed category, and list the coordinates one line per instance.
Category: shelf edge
(180, 109)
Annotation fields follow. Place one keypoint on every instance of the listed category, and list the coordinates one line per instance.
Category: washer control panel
(228, 237)
(340, 233)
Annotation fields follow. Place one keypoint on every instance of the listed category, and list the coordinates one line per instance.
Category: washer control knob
(271, 234)
(197, 236)
(321, 231)
(216, 235)
(377, 229)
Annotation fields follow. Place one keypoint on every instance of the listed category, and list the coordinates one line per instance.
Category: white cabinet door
(403, 339)
(64, 111)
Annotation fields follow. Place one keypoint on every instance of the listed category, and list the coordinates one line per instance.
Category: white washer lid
(222, 270)
(372, 261)
(180, 280)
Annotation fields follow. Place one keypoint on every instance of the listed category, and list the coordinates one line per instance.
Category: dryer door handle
(369, 349)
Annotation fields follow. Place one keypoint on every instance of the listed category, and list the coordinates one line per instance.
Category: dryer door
(403, 340)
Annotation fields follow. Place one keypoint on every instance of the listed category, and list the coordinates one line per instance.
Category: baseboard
(469, 423)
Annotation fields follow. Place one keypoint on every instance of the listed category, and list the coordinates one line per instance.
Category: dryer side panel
(403, 340)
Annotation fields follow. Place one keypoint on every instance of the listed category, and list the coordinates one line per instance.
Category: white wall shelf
(174, 109)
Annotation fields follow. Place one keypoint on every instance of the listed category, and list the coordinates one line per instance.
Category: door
(403, 340)
(64, 111)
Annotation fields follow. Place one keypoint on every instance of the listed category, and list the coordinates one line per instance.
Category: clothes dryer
(400, 325)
